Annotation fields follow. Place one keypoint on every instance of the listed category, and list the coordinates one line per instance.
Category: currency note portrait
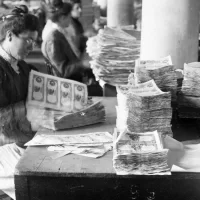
(80, 96)
(66, 93)
(37, 88)
(52, 91)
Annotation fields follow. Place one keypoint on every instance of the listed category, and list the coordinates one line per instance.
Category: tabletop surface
(37, 161)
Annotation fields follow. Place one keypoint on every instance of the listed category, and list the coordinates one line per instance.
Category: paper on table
(89, 138)
(92, 151)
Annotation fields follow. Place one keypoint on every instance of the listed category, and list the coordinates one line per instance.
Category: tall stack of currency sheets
(113, 52)
(189, 96)
(140, 154)
(58, 103)
(143, 108)
(162, 71)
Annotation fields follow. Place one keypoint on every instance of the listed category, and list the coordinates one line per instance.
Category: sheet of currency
(141, 154)
(93, 151)
(89, 138)
(57, 93)
(140, 142)
(162, 71)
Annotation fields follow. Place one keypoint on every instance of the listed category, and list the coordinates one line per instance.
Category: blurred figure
(75, 30)
(4, 9)
(2, 5)
(18, 33)
(22, 2)
(138, 14)
(61, 59)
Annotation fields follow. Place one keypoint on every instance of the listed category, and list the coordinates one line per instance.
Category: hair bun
(20, 10)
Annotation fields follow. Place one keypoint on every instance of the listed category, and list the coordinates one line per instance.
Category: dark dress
(14, 126)
(78, 34)
(58, 52)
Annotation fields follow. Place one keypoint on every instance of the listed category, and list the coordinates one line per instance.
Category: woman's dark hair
(56, 11)
(18, 21)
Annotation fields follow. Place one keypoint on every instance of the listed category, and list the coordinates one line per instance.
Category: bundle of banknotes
(144, 107)
(189, 96)
(58, 103)
(140, 154)
(113, 52)
(162, 71)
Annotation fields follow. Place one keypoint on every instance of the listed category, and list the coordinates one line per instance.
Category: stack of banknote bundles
(140, 154)
(113, 53)
(189, 97)
(144, 107)
(162, 71)
(60, 103)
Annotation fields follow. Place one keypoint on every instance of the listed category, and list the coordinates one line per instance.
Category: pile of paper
(189, 97)
(144, 107)
(58, 103)
(114, 53)
(90, 144)
(140, 154)
(161, 71)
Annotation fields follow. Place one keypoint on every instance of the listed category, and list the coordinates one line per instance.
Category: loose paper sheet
(89, 138)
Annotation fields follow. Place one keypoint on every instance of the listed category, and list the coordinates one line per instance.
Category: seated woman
(56, 48)
(18, 33)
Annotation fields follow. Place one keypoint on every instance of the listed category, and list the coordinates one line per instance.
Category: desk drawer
(62, 188)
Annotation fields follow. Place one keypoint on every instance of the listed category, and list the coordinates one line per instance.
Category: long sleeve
(14, 126)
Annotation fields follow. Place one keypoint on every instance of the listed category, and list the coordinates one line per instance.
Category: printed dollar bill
(52, 91)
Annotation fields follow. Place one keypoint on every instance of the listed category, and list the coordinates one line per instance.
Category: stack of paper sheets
(189, 97)
(140, 154)
(58, 103)
(161, 71)
(144, 107)
(114, 53)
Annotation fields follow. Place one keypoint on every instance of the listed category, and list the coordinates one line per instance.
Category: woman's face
(76, 10)
(22, 44)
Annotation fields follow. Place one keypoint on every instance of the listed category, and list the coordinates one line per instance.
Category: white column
(170, 27)
(119, 13)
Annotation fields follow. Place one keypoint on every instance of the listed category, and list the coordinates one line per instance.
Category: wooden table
(38, 177)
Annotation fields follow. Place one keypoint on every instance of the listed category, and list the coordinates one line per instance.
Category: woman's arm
(14, 126)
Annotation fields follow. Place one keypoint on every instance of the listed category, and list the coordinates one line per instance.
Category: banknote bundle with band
(144, 107)
(162, 71)
(113, 53)
(58, 103)
(189, 96)
(139, 154)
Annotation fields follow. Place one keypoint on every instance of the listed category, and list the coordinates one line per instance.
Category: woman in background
(18, 33)
(56, 48)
